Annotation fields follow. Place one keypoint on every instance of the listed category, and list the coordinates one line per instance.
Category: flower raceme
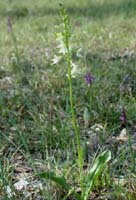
(62, 51)
(123, 117)
(89, 78)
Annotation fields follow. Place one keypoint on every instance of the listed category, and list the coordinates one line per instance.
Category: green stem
(74, 117)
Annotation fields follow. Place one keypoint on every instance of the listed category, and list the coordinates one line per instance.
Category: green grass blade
(95, 171)
(74, 193)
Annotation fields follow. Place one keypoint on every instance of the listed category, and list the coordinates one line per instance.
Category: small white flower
(62, 48)
(74, 70)
(79, 53)
(56, 59)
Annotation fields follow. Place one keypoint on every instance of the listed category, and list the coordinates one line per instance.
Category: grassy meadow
(36, 130)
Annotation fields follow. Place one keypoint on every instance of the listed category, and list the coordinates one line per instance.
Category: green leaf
(57, 179)
(95, 171)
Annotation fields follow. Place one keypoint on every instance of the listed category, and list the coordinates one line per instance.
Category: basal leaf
(95, 171)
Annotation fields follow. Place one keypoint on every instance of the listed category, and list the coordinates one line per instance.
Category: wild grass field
(39, 150)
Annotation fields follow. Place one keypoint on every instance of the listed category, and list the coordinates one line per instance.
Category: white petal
(55, 60)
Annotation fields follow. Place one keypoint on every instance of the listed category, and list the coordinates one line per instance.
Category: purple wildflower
(89, 78)
(9, 25)
(123, 117)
